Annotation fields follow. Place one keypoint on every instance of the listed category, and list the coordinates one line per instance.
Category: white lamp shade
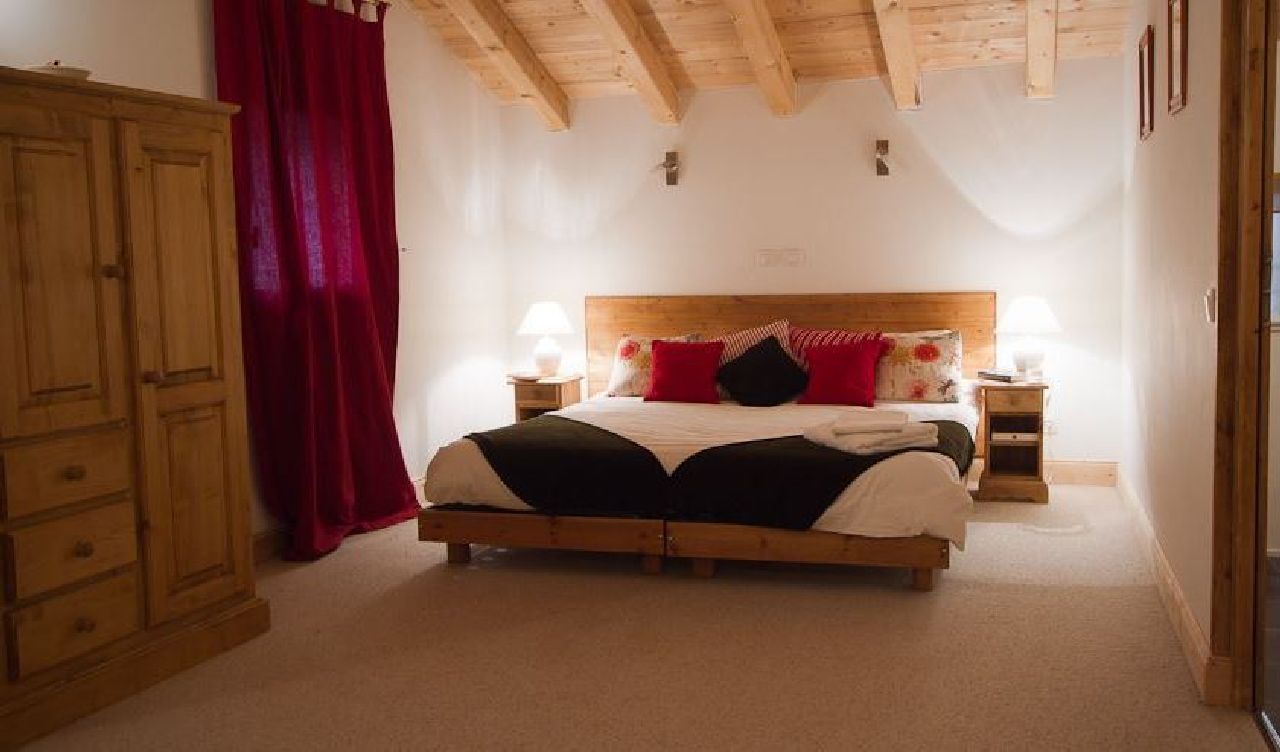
(1029, 316)
(545, 318)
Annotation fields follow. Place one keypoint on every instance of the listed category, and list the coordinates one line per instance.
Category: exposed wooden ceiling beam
(894, 22)
(489, 25)
(640, 59)
(764, 50)
(1042, 46)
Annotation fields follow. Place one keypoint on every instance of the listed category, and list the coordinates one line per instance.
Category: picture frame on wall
(1177, 55)
(1146, 83)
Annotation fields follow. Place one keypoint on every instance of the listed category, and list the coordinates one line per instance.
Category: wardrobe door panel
(190, 395)
(62, 350)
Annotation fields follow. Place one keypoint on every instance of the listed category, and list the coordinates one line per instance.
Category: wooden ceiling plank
(1042, 47)
(641, 61)
(768, 60)
(489, 25)
(894, 20)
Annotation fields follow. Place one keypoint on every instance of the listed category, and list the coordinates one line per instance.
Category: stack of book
(996, 374)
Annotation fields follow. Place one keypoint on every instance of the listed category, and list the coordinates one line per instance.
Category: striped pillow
(739, 342)
(802, 339)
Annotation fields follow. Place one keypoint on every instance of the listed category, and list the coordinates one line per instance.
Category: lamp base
(546, 357)
(1028, 359)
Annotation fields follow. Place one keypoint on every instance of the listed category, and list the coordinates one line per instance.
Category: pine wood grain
(617, 535)
(894, 23)
(820, 40)
(608, 318)
(1042, 47)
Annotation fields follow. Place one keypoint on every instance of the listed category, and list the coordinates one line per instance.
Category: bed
(906, 511)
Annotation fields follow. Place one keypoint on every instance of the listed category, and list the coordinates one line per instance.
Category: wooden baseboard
(131, 673)
(268, 545)
(1068, 472)
(1212, 674)
(1080, 473)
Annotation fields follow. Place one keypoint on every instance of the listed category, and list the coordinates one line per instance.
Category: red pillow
(684, 371)
(843, 374)
(802, 339)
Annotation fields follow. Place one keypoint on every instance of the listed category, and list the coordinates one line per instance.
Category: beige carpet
(1046, 634)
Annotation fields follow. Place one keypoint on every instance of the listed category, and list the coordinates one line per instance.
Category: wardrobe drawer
(1011, 401)
(52, 554)
(59, 629)
(52, 473)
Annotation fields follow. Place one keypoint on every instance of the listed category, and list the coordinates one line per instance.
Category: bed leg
(922, 579)
(458, 553)
(651, 563)
(704, 567)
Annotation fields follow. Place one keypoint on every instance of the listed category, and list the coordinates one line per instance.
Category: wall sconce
(672, 167)
(882, 153)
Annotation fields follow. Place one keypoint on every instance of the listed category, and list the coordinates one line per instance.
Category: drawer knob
(113, 271)
(85, 625)
(74, 472)
(82, 549)
(151, 377)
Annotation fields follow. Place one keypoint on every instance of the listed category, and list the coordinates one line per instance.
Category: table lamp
(545, 319)
(1028, 318)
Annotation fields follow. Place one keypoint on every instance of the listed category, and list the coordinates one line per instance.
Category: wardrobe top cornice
(113, 91)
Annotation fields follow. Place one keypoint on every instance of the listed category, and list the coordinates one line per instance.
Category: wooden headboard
(608, 318)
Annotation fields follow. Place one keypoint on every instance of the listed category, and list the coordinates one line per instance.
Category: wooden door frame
(1240, 435)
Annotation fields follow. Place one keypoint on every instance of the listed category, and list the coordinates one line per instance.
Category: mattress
(909, 494)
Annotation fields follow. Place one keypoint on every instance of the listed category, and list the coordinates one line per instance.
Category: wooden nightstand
(1013, 430)
(533, 398)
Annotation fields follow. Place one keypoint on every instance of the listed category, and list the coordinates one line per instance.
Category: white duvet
(912, 493)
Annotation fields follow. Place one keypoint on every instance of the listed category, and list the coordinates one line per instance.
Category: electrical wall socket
(770, 257)
(1050, 427)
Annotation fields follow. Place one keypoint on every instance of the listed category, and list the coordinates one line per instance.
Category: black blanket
(561, 466)
(788, 482)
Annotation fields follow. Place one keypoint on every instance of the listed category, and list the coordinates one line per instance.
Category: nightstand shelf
(1013, 432)
(533, 398)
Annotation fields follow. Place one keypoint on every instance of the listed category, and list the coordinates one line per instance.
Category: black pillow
(763, 376)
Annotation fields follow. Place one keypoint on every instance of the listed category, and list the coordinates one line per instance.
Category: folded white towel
(867, 420)
(912, 436)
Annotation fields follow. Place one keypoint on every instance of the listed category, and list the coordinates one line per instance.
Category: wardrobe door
(190, 393)
(62, 351)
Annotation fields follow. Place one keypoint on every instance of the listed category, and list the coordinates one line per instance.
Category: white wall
(453, 334)
(162, 45)
(990, 190)
(1170, 259)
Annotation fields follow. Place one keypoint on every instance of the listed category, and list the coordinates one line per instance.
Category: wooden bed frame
(608, 318)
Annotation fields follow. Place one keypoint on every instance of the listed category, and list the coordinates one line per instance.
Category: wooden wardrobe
(124, 481)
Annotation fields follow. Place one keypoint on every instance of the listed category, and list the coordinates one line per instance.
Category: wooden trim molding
(1068, 472)
(1240, 440)
(1212, 674)
(269, 545)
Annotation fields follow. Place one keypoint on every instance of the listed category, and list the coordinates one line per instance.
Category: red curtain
(318, 271)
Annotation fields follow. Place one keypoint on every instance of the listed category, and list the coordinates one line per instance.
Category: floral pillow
(633, 364)
(921, 367)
